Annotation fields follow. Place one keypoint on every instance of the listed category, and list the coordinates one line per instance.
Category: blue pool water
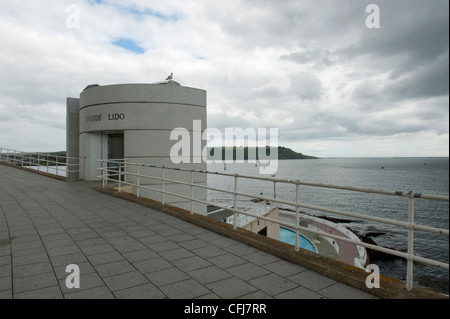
(288, 236)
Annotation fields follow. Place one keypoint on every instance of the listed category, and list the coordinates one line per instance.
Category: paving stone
(95, 293)
(34, 282)
(65, 260)
(342, 291)
(52, 292)
(141, 233)
(147, 291)
(209, 274)
(284, 268)
(227, 260)
(175, 254)
(5, 270)
(30, 259)
(299, 293)
(232, 287)
(60, 251)
(114, 268)
(87, 281)
(312, 280)
(26, 245)
(31, 251)
(186, 289)
(97, 249)
(127, 280)
(163, 246)
(208, 251)
(191, 263)
(140, 255)
(193, 244)
(32, 269)
(248, 271)
(261, 258)
(151, 265)
(104, 258)
(256, 295)
(84, 267)
(240, 249)
(6, 294)
(5, 283)
(167, 276)
(272, 284)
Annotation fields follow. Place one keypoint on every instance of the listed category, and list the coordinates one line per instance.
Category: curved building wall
(137, 120)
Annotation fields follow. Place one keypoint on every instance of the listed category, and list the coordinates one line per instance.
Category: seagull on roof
(170, 77)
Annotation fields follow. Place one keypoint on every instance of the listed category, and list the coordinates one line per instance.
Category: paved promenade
(125, 250)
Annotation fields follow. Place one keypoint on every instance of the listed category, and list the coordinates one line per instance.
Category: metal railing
(54, 164)
(115, 175)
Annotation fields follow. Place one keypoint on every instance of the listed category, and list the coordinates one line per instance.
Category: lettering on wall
(100, 117)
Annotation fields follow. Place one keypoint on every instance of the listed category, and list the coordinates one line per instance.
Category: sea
(425, 175)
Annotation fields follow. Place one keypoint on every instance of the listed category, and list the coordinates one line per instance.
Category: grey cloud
(410, 36)
(428, 80)
(319, 58)
(306, 86)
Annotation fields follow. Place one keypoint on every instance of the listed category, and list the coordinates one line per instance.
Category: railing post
(192, 193)
(274, 190)
(120, 176)
(138, 182)
(57, 163)
(297, 217)
(235, 202)
(164, 186)
(124, 169)
(410, 252)
(104, 175)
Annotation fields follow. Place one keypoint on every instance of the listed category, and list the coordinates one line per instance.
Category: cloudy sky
(313, 69)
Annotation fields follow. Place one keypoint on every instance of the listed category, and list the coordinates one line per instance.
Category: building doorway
(116, 151)
(116, 146)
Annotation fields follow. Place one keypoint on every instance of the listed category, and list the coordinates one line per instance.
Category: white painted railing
(120, 172)
(50, 163)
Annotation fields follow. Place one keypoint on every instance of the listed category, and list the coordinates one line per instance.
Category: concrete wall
(72, 135)
(146, 114)
(273, 229)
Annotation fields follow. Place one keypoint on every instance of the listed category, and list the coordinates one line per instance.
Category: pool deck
(127, 250)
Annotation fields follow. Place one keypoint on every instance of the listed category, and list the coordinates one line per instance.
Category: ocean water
(421, 175)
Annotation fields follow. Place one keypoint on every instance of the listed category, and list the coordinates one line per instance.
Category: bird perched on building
(170, 77)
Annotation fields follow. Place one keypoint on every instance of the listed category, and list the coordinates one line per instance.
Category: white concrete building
(134, 122)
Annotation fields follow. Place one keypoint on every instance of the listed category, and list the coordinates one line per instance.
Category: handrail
(117, 174)
(61, 163)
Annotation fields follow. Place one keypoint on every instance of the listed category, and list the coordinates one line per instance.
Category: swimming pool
(288, 236)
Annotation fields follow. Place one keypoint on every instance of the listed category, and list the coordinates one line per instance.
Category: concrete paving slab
(146, 291)
(167, 276)
(186, 289)
(272, 284)
(231, 288)
(45, 293)
(209, 274)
